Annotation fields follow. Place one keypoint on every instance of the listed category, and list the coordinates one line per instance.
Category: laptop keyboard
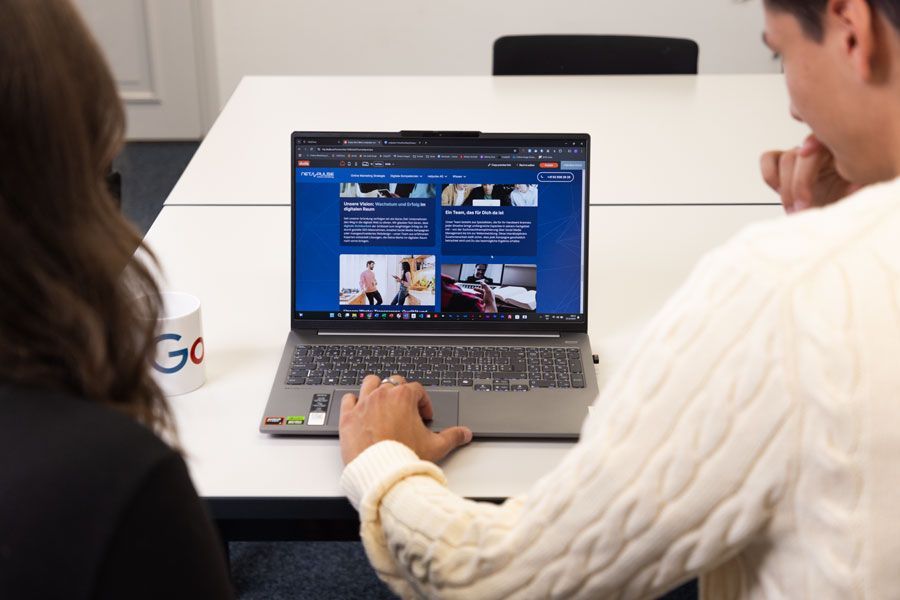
(482, 368)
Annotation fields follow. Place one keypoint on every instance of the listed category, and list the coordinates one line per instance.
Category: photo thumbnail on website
(387, 190)
(489, 194)
(488, 288)
(387, 280)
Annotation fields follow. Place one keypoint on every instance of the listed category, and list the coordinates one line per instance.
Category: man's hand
(805, 177)
(487, 295)
(394, 412)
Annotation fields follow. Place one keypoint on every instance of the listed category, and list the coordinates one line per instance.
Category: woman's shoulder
(67, 447)
(77, 467)
(109, 493)
(55, 420)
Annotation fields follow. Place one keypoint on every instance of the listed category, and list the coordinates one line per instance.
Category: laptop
(456, 259)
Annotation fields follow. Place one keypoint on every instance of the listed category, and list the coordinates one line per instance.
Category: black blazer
(94, 505)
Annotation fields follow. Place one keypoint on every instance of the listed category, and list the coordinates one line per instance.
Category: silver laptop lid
(439, 231)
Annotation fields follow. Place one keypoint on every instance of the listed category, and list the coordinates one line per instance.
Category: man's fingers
(811, 145)
(423, 402)
(451, 438)
(768, 164)
(369, 384)
(348, 402)
(399, 379)
(786, 164)
(807, 171)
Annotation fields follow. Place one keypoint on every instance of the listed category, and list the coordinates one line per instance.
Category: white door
(156, 51)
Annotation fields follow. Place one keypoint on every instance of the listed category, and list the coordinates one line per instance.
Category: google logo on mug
(195, 353)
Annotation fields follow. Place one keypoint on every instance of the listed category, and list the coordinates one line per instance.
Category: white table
(236, 259)
(655, 140)
(673, 166)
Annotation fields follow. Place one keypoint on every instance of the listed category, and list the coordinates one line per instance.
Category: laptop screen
(433, 229)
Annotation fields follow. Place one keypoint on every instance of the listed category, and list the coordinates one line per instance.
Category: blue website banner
(522, 230)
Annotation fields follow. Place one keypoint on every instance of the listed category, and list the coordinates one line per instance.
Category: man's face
(371, 266)
(829, 94)
(479, 270)
(488, 188)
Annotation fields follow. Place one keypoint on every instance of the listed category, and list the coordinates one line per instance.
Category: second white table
(655, 140)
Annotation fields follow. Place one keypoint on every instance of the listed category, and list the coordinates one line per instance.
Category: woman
(93, 503)
(405, 279)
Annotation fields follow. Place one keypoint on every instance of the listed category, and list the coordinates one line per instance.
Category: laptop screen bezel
(441, 326)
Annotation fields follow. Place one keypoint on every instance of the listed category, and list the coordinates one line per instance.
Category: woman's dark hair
(406, 268)
(77, 308)
(810, 12)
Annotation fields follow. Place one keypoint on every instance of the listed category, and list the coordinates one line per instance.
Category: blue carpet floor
(149, 172)
(303, 570)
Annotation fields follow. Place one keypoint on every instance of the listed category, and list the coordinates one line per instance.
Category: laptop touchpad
(446, 409)
(445, 404)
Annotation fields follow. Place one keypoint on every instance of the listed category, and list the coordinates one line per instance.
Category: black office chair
(594, 55)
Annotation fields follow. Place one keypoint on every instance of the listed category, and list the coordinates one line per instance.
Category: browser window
(439, 229)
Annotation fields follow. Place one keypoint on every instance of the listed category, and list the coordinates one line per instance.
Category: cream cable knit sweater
(753, 437)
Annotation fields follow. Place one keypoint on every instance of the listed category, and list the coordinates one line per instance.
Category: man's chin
(862, 175)
(843, 170)
(846, 170)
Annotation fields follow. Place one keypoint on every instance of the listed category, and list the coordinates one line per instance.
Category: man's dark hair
(810, 12)
(370, 262)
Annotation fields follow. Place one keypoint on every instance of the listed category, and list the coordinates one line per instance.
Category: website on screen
(451, 230)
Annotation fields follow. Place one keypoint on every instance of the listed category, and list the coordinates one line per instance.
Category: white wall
(156, 53)
(455, 37)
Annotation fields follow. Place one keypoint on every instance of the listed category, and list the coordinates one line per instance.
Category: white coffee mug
(179, 365)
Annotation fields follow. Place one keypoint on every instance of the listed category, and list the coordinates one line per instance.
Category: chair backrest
(594, 55)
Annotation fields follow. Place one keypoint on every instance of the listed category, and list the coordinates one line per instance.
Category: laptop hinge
(552, 334)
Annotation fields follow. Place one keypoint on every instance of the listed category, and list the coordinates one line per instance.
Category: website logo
(317, 174)
(196, 353)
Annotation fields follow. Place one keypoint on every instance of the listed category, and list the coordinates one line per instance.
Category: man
(752, 438)
(479, 276)
(488, 193)
(369, 285)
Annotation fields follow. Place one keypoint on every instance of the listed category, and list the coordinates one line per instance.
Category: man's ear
(851, 24)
